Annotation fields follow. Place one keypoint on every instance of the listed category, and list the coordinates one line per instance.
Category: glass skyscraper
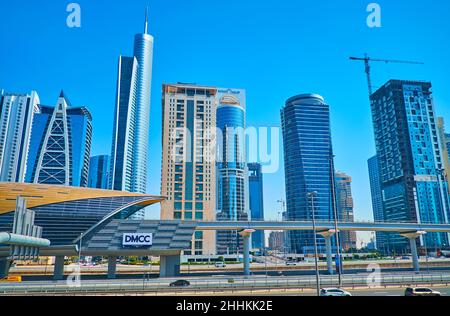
(130, 146)
(308, 166)
(377, 199)
(410, 159)
(99, 172)
(60, 145)
(16, 119)
(256, 197)
(232, 182)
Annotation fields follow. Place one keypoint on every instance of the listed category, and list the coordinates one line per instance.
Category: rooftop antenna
(146, 21)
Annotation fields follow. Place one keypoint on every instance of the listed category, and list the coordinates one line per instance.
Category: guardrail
(256, 284)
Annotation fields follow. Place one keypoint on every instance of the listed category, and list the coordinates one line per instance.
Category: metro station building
(98, 220)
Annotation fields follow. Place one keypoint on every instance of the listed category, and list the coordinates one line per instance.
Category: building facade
(232, 181)
(308, 165)
(256, 197)
(189, 159)
(65, 212)
(444, 144)
(410, 159)
(130, 146)
(99, 172)
(16, 119)
(276, 241)
(60, 145)
(377, 200)
(344, 204)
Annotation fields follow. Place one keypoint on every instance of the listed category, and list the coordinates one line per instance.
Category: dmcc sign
(137, 240)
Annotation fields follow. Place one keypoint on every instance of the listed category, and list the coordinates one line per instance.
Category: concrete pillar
(329, 255)
(112, 263)
(58, 272)
(246, 235)
(327, 235)
(5, 264)
(169, 266)
(412, 240)
(246, 255)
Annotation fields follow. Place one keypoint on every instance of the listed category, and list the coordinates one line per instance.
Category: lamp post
(312, 195)
(338, 241)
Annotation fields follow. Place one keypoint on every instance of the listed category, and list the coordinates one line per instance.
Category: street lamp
(338, 242)
(312, 195)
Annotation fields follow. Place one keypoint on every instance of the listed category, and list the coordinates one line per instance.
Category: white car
(291, 263)
(334, 292)
(220, 265)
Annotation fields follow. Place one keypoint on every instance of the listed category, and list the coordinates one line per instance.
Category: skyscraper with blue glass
(232, 190)
(377, 199)
(256, 197)
(60, 145)
(410, 159)
(308, 165)
(98, 172)
(129, 152)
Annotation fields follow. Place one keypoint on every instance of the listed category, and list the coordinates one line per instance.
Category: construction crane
(367, 61)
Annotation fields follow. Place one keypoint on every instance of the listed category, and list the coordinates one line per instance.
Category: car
(180, 283)
(291, 263)
(421, 291)
(220, 265)
(334, 292)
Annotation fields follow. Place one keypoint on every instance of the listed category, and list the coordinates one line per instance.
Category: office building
(256, 197)
(130, 146)
(344, 204)
(99, 172)
(276, 241)
(189, 159)
(377, 200)
(16, 119)
(444, 143)
(410, 159)
(232, 181)
(60, 145)
(308, 166)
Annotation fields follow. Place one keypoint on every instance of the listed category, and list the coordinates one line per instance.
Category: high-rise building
(444, 149)
(410, 159)
(344, 204)
(60, 145)
(99, 172)
(377, 200)
(16, 119)
(129, 153)
(308, 166)
(232, 181)
(256, 196)
(188, 174)
(447, 142)
(276, 240)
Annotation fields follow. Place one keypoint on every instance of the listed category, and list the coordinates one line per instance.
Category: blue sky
(273, 49)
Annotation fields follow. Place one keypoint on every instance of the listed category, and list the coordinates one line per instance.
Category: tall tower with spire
(60, 145)
(129, 153)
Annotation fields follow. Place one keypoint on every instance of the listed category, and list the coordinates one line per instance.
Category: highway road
(218, 283)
